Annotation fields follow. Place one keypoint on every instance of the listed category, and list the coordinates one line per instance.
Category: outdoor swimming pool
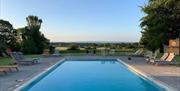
(91, 75)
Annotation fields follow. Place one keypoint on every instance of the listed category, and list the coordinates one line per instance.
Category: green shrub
(73, 47)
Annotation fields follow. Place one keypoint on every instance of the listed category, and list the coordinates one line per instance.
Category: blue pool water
(93, 75)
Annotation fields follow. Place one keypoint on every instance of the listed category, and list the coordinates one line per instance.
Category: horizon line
(93, 42)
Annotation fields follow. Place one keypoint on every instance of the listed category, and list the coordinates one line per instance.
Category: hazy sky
(79, 20)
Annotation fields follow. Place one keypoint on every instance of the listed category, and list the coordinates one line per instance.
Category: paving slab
(168, 74)
(14, 79)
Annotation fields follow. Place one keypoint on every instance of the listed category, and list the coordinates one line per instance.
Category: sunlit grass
(5, 60)
(177, 58)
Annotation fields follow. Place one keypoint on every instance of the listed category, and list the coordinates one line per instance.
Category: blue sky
(79, 20)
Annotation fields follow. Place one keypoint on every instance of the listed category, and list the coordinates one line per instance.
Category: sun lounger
(10, 67)
(56, 53)
(168, 60)
(138, 53)
(165, 55)
(150, 55)
(20, 59)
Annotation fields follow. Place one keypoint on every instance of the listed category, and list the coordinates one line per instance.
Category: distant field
(62, 48)
(98, 49)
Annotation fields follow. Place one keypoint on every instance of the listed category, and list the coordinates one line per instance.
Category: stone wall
(175, 50)
(173, 46)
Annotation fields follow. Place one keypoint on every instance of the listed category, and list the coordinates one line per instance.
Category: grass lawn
(5, 60)
(177, 58)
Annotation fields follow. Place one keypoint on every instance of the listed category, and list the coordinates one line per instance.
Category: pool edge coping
(147, 76)
(45, 71)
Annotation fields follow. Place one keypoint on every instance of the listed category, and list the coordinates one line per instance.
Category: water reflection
(108, 62)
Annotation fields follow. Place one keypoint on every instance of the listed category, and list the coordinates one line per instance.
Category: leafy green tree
(51, 49)
(34, 25)
(28, 46)
(73, 47)
(160, 23)
(33, 40)
(7, 36)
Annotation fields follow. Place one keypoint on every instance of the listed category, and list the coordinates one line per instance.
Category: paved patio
(14, 79)
(167, 74)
